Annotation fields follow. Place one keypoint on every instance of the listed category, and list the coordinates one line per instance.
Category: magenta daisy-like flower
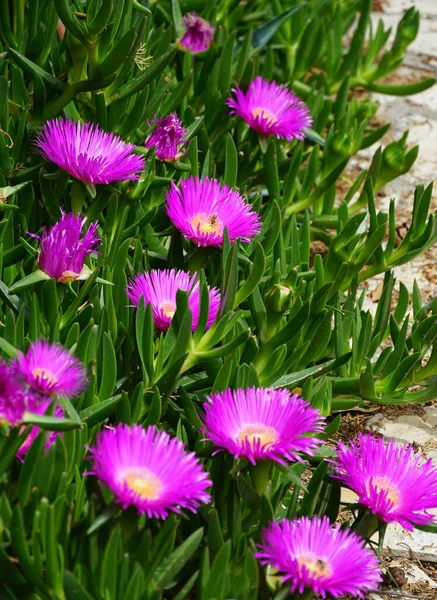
(271, 109)
(201, 209)
(262, 423)
(64, 250)
(391, 480)
(199, 34)
(51, 369)
(312, 554)
(168, 138)
(50, 438)
(150, 470)
(15, 399)
(88, 153)
(160, 288)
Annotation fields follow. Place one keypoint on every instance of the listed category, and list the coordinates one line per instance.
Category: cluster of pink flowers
(151, 471)
(147, 468)
(33, 381)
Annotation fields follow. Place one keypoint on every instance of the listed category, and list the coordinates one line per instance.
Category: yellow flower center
(316, 567)
(381, 483)
(266, 435)
(207, 224)
(168, 308)
(46, 375)
(265, 113)
(143, 482)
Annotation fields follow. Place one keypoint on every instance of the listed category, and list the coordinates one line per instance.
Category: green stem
(93, 55)
(307, 594)
(77, 195)
(263, 356)
(366, 524)
(76, 71)
(346, 385)
(291, 60)
(370, 272)
(53, 109)
(19, 19)
(260, 475)
(199, 258)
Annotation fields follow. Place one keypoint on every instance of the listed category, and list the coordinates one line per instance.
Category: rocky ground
(410, 559)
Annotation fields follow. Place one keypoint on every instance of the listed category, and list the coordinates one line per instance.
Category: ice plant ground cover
(183, 253)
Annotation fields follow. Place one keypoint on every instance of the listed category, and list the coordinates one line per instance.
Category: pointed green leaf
(173, 564)
(29, 280)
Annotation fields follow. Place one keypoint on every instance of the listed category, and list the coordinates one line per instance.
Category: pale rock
(431, 415)
(415, 575)
(418, 544)
(405, 428)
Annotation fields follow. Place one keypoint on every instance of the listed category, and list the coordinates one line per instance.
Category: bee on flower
(201, 209)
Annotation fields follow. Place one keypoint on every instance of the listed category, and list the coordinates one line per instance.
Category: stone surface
(405, 428)
(431, 416)
(417, 545)
(415, 575)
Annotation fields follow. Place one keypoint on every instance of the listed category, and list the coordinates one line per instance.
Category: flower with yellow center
(150, 470)
(262, 424)
(266, 114)
(168, 309)
(391, 480)
(160, 290)
(45, 374)
(313, 556)
(271, 109)
(51, 369)
(205, 224)
(143, 482)
(314, 565)
(381, 484)
(250, 434)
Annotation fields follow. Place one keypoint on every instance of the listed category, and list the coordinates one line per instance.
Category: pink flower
(88, 153)
(50, 369)
(168, 138)
(64, 250)
(271, 109)
(312, 554)
(160, 288)
(51, 436)
(199, 34)
(262, 423)
(201, 209)
(15, 399)
(150, 470)
(392, 481)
